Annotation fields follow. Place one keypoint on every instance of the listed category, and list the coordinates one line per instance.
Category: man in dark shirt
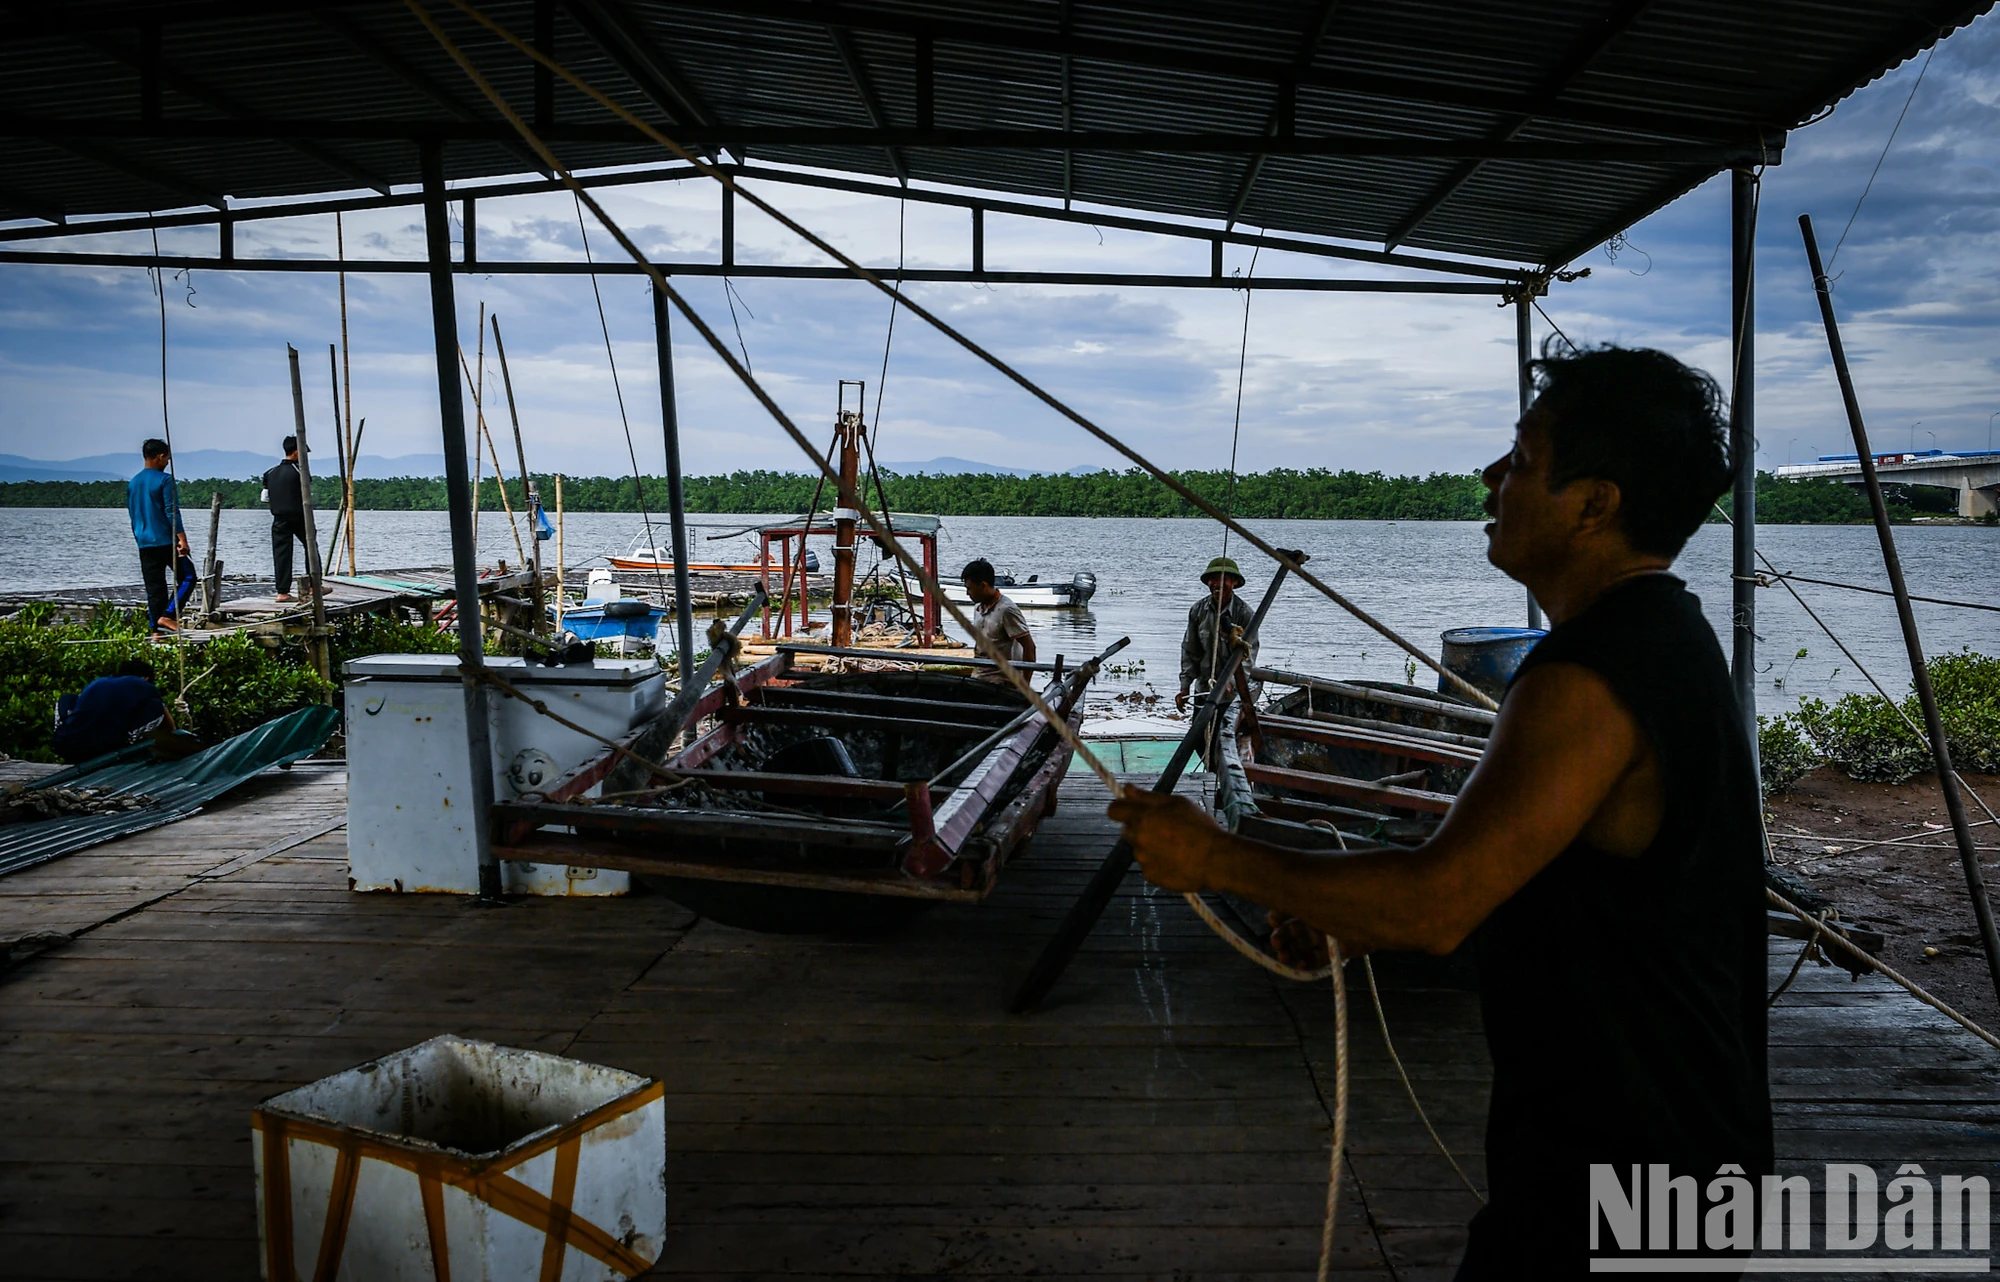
(1616, 795)
(288, 521)
(111, 713)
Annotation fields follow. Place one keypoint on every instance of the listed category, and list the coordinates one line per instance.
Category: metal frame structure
(1500, 137)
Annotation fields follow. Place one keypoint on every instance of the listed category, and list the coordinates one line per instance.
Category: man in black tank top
(1604, 860)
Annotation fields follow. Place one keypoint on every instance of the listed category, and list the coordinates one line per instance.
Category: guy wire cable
(618, 390)
(1465, 688)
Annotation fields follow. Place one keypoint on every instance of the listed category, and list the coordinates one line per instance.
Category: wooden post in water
(346, 426)
(211, 569)
(533, 552)
(340, 444)
(314, 587)
(1920, 677)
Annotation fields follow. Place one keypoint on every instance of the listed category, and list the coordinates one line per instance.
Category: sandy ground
(1914, 892)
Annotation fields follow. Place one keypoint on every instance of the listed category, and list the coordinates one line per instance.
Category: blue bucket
(1486, 657)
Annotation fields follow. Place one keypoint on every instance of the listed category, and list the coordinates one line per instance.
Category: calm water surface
(1419, 577)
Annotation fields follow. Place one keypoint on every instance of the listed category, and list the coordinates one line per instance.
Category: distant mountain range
(949, 466)
(206, 465)
(244, 464)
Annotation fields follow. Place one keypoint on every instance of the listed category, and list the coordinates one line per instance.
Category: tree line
(1308, 494)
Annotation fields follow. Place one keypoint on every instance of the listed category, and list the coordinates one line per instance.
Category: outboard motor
(1085, 584)
(812, 561)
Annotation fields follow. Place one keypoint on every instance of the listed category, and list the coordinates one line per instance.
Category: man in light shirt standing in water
(995, 617)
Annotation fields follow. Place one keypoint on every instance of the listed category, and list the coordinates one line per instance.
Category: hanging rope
(618, 390)
(881, 390)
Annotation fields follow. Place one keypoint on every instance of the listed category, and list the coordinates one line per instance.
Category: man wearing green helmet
(1203, 653)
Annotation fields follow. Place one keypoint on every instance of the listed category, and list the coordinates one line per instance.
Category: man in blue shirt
(112, 712)
(155, 508)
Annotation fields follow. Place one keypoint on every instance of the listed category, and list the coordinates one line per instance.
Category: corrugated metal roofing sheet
(178, 788)
(1616, 72)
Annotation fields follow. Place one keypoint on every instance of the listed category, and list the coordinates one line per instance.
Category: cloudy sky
(1398, 383)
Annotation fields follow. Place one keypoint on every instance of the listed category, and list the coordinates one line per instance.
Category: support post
(670, 427)
(1743, 445)
(1524, 351)
(1920, 677)
(469, 216)
(978, 239)
(458, 487)
(226, 237)
(729, 227)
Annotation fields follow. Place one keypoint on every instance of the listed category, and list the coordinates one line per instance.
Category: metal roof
(1524, 133)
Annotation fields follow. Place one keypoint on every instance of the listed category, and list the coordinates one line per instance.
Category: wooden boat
(1379, 761)
(816, 801)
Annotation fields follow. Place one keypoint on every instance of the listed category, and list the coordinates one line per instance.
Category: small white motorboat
(1033, 594)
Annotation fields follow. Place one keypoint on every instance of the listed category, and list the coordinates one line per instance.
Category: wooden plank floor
(837, 1107)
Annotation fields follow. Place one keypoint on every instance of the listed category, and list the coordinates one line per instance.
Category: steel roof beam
(1586, 52)
(1208, 62)
(1285, 108)
(774, 271)
(31, 205)
(864, 87)
(614, 30)
(1764, 150)
(154, 68)
(153, 176)
(861, 187)
(390, 60)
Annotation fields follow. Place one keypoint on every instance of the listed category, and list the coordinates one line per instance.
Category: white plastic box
(459, 1159)
(409, 781)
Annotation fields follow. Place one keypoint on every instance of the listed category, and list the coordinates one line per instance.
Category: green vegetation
(1311, 494)
(228, 685)
(1284, 492)
(1864, 738)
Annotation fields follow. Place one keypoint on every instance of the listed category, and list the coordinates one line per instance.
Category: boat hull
(756, 839)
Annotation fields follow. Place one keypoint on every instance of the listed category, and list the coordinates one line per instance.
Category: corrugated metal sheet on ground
(178, 788)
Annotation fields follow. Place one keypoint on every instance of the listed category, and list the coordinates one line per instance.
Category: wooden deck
(856, 1108)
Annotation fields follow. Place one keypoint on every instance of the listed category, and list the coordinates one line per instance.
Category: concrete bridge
(1974, 474)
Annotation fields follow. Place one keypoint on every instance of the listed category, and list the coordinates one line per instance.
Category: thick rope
(1339, 1109)
(1875, 963)
(1172, 482)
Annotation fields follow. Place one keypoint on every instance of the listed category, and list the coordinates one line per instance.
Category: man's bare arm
(1563, 743)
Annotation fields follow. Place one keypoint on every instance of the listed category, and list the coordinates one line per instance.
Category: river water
(1419, 577)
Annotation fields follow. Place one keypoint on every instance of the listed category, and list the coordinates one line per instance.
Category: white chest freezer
(409, 781)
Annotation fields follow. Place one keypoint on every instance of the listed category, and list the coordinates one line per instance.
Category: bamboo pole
(340, 457)
(313, 584)
(534, 553)
(479, 420)
(346, 393)
(1920, 677)
(561, 600)
(499, 479)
